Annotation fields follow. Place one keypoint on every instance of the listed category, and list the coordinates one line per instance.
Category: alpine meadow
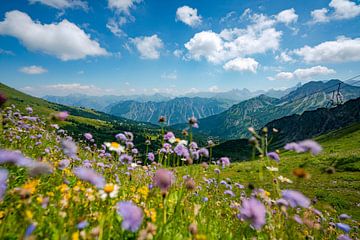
(198, 120)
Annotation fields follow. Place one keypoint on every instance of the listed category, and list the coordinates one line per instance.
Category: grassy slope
(339, 191)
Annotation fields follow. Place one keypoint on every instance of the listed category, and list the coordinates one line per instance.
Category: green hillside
(81, 120)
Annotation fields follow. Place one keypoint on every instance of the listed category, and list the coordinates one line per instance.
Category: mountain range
(297, 127)
(258, 111)
(177, 110)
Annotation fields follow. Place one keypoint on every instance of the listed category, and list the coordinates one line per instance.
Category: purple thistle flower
(125, 158)
(194, 154)
(311, 146)
(193, 145)
(163, 179)
(3, 185)
(343, 237)
(69, 148)
(151, 156)
(181, 150)
(224, 161)
(132, 215)
(346, 228)
(121, 137)
(88, 136)
(254, 211)
(344, 216)
(274, 156)
(203, 152)
(168, 136)
(63, 164)
(89, 175)
(229, 192)
(29, 110)
(295, 198)
(62, 116)
(304, 146)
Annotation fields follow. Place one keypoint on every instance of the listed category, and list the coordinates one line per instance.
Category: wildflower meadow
(53, 187)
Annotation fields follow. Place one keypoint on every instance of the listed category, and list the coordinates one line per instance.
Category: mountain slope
(296, 127)
(103, 126)
(258, 111)
(177, 110)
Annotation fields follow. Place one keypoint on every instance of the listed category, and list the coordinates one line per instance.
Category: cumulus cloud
(341, 50)
(32, 70)
(148, 46)
(284, 57)
(241, 64)
(340, 9)
(258, 37)
(64, 40)
(303, 73)
(188, 15)
(287, 16)
(123, 6)
(62, 4)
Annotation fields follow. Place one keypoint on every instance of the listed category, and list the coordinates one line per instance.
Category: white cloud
(303, 73)
(170, 75)
(64, 40)
(342, 50)
(62, 4)
(214, 88)
(258, 37)
(284, 57)
(122, 6)
(115, 26)
(341, 9)
(148, 47)
(188, 16)
(320, 15)
(33, 70)
(287, 16)
(241, 64)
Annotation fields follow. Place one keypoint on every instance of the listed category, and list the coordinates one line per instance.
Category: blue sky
(134, 47)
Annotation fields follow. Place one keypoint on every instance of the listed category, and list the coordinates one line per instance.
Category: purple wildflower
(203, 152)
(121, 137)
(29, 230)
(61, 116)
(151, 156)
(29, 110)
(37, 168)
(224, 161)
(311, 146)
(132, 215)
(181, 150)
(304, 146)
(253, 210)
(168, 136)
(63, 164)
(346, 228)
(344, 216)
(125, 158)
(193, 145)
(89, 175)
(274, 156)
(69, 148)
(164, 179)
(88, 136)
(343, 237)
(229, 192)
(3, 185)
(83, 224)
(295, 198)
